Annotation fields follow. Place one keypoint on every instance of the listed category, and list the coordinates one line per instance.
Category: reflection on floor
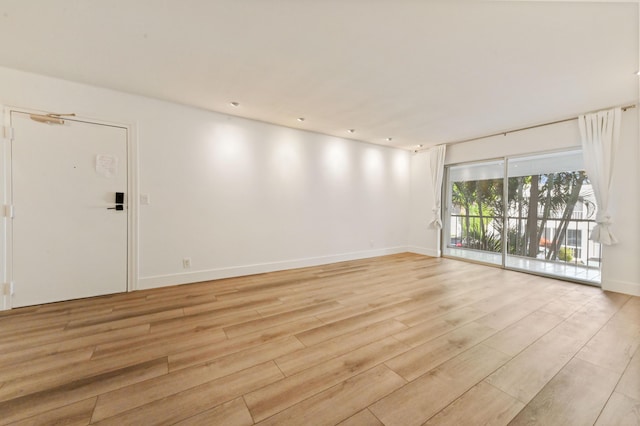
(570, 271)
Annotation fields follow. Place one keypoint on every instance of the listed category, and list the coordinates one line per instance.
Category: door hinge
(7, 289)
(9, 211)
(7, 132)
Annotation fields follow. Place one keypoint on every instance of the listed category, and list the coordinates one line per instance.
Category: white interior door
(66, 243)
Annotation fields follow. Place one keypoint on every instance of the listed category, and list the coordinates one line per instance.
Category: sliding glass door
(543, 226)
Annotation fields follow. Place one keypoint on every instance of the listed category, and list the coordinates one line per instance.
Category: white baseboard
(622, 287)
(260, 268)
(424, 251)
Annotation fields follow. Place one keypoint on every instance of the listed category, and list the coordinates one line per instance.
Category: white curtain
(437, 172)
(600, 134)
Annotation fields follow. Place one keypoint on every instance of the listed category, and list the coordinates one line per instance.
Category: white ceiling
(420, 72)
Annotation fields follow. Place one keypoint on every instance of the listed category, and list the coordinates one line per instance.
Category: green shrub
(565, 254)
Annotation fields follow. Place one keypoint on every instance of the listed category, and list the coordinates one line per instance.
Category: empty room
(294, 212)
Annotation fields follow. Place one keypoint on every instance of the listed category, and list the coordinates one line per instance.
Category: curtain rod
(505, 133)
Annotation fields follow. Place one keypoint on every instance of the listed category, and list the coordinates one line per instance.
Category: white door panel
(66, 243)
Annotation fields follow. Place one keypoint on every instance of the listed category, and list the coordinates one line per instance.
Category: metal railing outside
(573, 248)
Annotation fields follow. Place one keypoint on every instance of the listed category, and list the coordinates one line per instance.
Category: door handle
(119, 202)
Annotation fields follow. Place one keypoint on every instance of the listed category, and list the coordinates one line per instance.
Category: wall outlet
(186, 262)
(371, 243)
(145, 199)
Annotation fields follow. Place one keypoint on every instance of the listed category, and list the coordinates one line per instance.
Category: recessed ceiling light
(235, 104)
(638, 73)
(389, 139)
(301, 119)
(351, 130)
(420, 146)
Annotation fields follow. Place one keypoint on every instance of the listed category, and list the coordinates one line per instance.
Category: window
(574, 237)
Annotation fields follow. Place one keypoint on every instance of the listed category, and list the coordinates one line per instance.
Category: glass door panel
(473, 229)
(550, 214)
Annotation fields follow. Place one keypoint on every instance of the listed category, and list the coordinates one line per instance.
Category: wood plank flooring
(394, 340)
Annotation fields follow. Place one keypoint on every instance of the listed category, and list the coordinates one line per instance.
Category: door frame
(6, 195)
(446, 210)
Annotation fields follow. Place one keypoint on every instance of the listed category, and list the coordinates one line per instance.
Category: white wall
(239, 196)
(621, 269)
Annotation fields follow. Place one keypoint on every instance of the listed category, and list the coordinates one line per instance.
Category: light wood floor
(396, 340)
